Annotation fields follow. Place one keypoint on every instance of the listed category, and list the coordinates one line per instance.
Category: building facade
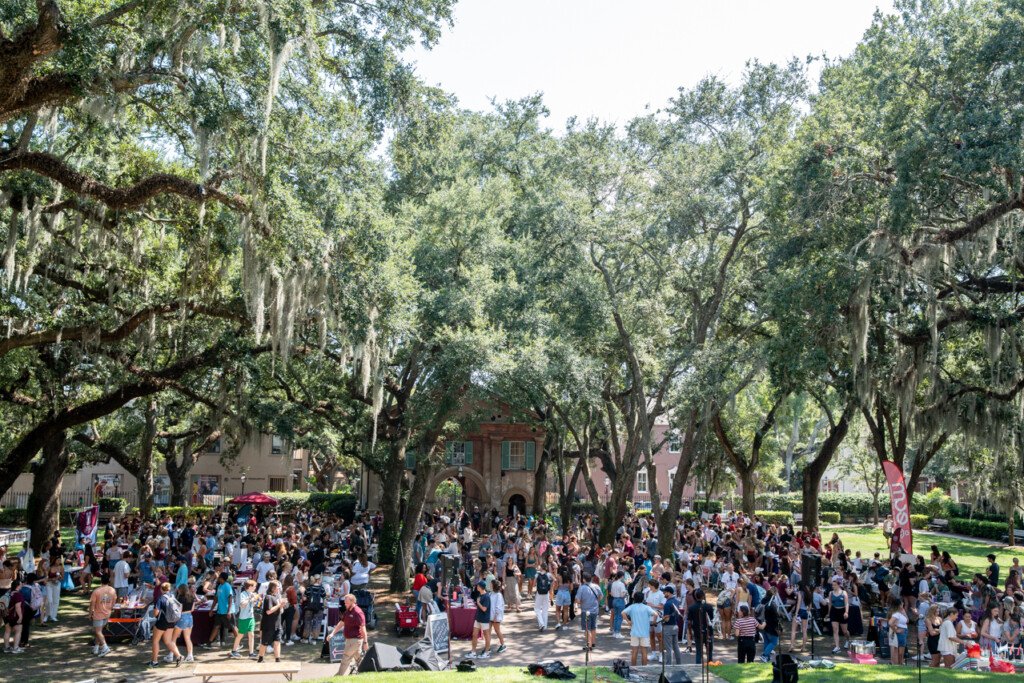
(267, 462)
(495, 463)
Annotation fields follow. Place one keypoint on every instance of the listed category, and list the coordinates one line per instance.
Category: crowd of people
(725, 578)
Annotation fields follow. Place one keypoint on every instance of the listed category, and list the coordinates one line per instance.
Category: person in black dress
(270, 623)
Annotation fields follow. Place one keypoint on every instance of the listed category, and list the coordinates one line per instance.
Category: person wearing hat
(992, 573)
(482, 622)
(673, 621)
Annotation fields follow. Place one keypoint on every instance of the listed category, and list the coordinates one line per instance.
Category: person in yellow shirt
(101, 604)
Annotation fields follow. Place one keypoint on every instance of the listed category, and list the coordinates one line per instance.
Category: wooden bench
(938, 524)
(1018, 535)
(209, 671)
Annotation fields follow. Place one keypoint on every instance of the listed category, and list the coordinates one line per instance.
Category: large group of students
(720, 578)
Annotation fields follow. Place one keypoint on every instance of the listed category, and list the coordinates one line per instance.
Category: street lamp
(243, 483)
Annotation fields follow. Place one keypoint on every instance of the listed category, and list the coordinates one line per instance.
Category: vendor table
(462, 621)
(202, 625)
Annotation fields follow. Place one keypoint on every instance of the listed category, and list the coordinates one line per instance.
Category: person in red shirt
(420, 580)
(353, 621)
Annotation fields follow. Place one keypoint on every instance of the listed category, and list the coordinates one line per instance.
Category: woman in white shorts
(497, 614)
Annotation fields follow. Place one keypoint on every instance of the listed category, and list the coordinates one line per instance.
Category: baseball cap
(669, 589)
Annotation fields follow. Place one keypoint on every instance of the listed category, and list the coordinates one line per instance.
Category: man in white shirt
(122, 571)
(655, 599)
(729, 578)
(261, 570)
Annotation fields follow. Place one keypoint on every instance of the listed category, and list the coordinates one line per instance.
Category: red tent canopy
(253, 499)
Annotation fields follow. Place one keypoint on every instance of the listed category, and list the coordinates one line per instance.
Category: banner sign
(900, 505)
(86, 523)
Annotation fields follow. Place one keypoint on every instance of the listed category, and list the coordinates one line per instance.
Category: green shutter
(469, 452)
(410, 458)
(448, 453)
(505, 454)
(531, 456)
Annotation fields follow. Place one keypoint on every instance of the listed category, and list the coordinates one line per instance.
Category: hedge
(290, 500)
(828, 517)
(115, 505)
(709, 506)
(774, 516)
(919, 521)
(978, 528)
(13, 517)
(187, 512)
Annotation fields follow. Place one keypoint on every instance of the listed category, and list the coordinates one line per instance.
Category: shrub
(290, 500)
(978, 528)
(935, 503)
(188, 512)
(115, 505)
(341, 504)
(709, 506)
(644, 513)
(828, 517)
(920, 521)
(13, 517)
(774, 516)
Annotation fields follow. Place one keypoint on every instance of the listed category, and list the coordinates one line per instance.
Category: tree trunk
(144, 473)
(44, 501)
(669, 517)
(410, 522)
(391, 503)
(874, 499)
(178, 473)
(816, 468)
(749, 490)
(540, 479)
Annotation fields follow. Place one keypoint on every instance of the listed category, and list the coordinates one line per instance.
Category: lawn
(970, 555)
(496, 674)
(760, 673)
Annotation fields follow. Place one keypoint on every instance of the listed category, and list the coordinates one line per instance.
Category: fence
(18, 500)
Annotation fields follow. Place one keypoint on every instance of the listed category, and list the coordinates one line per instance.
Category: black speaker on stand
(810, 574)
(381, 657)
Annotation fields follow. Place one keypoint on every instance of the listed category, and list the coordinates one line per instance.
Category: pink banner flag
(900, 505)
(86, 523)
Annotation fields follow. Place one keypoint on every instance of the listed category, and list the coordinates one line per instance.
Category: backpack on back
(543, 583)
(316, 598)
(5, 605)
(172, 612)
(36, 599)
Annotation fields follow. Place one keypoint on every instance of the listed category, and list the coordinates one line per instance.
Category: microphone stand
(586, 647)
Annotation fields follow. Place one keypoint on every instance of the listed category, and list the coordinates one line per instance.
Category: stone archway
(475, 489)
(522, 496)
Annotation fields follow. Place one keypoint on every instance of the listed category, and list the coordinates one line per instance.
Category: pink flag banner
(900, 505)
(86, 524)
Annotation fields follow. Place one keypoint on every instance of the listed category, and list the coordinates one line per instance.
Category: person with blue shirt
(146, 570)
(673, 621)
(639, 615)
(222, 618)
(181, 577)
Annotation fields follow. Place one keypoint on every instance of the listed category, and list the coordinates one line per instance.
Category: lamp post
(462, 485)
(243, 483)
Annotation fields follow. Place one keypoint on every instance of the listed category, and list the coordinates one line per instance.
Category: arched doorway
(449, 493)
(516, 504)
(473, 490)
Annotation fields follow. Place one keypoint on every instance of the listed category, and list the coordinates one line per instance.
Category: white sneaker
(169, 658)
(483, 655)
(190, 658)
(17, 651)
(104, 652)
(289, 643)
(296, 638)
(95, 649)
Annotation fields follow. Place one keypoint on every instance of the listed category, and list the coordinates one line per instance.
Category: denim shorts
(589, 621)
(563, 598)
(185, 621)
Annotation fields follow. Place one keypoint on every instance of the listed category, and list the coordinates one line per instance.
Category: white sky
(612, 58)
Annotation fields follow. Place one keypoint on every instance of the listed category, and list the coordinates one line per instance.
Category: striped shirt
(746, 627)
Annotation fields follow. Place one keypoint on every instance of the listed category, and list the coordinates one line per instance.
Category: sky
(612, 59)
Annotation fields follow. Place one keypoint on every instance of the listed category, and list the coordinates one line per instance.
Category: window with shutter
(529, 462)
(410, 458)
(468, 445)
(506, 450)
(449, 448)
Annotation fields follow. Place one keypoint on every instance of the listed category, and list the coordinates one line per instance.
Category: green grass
(970, 555)
(495, 674)
(761, 673)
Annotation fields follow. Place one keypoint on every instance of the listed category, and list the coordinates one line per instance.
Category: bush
(13, 517)
(774, 516)
(978, 528)
(115, 505)
(644, 513)
(341, 504)
(290, 500)
(933, 504)
(920, 521)
(709, 506)
(828, 517)
(188, 512)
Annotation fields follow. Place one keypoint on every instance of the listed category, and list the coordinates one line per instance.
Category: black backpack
(544, 583)
(315, 595)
